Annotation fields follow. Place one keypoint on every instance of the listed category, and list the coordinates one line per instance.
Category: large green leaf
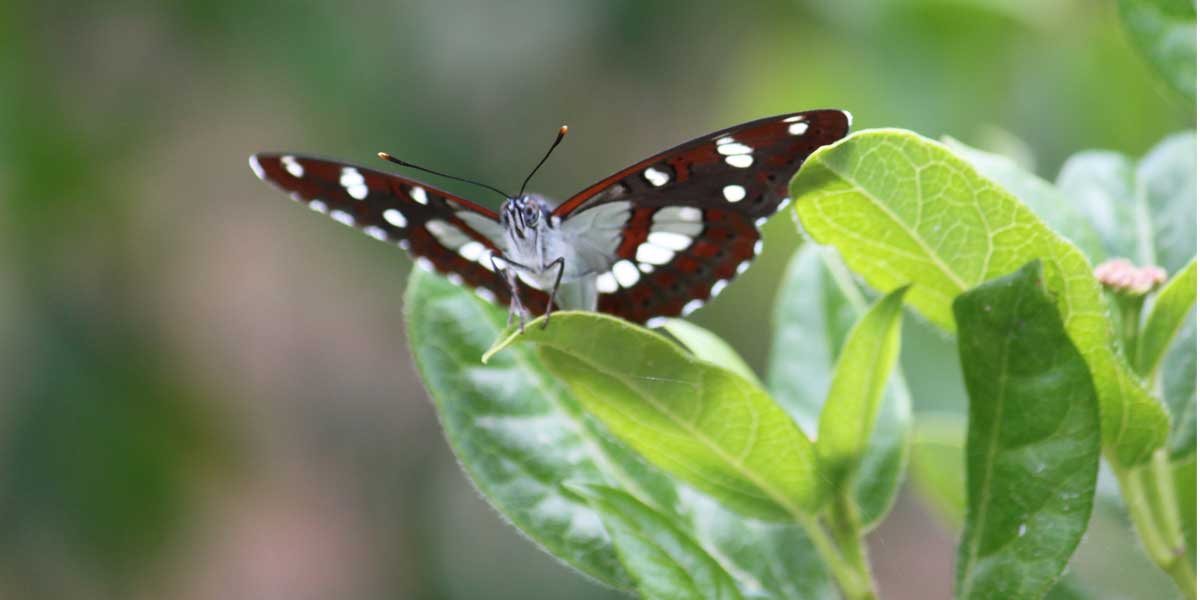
(903, 209)
(703, 424)
(1165, 31)
(1033, 449)
(1046, 201)
(518, 432)
(709, 346)
(1166, 318)
(816, 306)
(663, 561)
(1144, 211)
(859, 377)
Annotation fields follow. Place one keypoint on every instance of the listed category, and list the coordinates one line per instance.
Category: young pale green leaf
(1144, 211)
(1046, 201)
(1170, 310)
(903, 209)
(1179, 389)
(862, 371)
(816, 306)
(703, 424)
(708, 346)
(1102, 185)
(938, 471)
(1166, 179)
(662, 560)
(519, 433)
(1033, 449)
(1165, 31)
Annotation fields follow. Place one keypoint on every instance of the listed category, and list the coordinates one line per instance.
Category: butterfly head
(525, 216)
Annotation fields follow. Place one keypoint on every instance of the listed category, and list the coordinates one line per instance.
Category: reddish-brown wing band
(444, 233)
(695, 210)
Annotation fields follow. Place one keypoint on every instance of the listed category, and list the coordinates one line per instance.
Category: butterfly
(656, 239)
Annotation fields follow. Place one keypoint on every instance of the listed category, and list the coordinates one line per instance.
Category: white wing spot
(646, 268)
(725, 140)
(354, 183)
(654, 322)
(403, 244)
(257, 168)
(783, 204)
(424, 264)
(318, 206)
(758, 245)
(654, 254)
(395, 217)
(742, 266)
(417, 193)
(740, 161)
(486, 294)
(655, 177)
(454, 278)
(606, 283)
(794, 119)
(375, 232)
(734, 193)
(669, 239)
(759, 222)
(717, 287)
(342, 217)
(289, 162)
(471, 250)
(691, 307)
(627, 275)
(733, 148)
(798, 128)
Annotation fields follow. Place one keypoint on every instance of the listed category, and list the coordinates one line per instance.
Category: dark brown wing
(694, 210)
(444, 233)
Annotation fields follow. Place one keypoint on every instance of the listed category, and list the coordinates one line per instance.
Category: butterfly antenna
(393, 159)
(562, 131)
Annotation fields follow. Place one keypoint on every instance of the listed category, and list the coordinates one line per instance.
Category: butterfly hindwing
(444, 233)
(694, 211)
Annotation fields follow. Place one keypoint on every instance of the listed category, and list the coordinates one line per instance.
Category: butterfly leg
(561, 263)
(500, 264)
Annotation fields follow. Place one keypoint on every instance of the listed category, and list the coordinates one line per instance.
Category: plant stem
(1149, 494)
(853, 581)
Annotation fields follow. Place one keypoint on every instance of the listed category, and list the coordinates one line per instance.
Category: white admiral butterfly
(655, 239)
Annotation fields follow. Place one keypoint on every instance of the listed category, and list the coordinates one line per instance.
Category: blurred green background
(206, 390)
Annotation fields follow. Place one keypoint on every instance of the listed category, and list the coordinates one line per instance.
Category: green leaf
(517, 432)
(1145, 212)
(1166, 180)
(1171, 307)
(701, 423)
(662, 560)
(1165, 32)
(1184, 473)
(1033, 449)
(863, 368)
(1102, 184)
(938, 470)
(1179, 389)
(903, 209)
(1047, 201)
(708, 346)
(816, 306)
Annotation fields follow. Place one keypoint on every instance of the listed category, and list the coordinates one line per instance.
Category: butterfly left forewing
(692, 213)
(444, 233)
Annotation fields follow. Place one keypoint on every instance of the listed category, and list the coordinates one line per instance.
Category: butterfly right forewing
(445, 233)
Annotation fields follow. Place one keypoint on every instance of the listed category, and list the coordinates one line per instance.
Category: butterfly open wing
(445, 233)
(694, 211)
